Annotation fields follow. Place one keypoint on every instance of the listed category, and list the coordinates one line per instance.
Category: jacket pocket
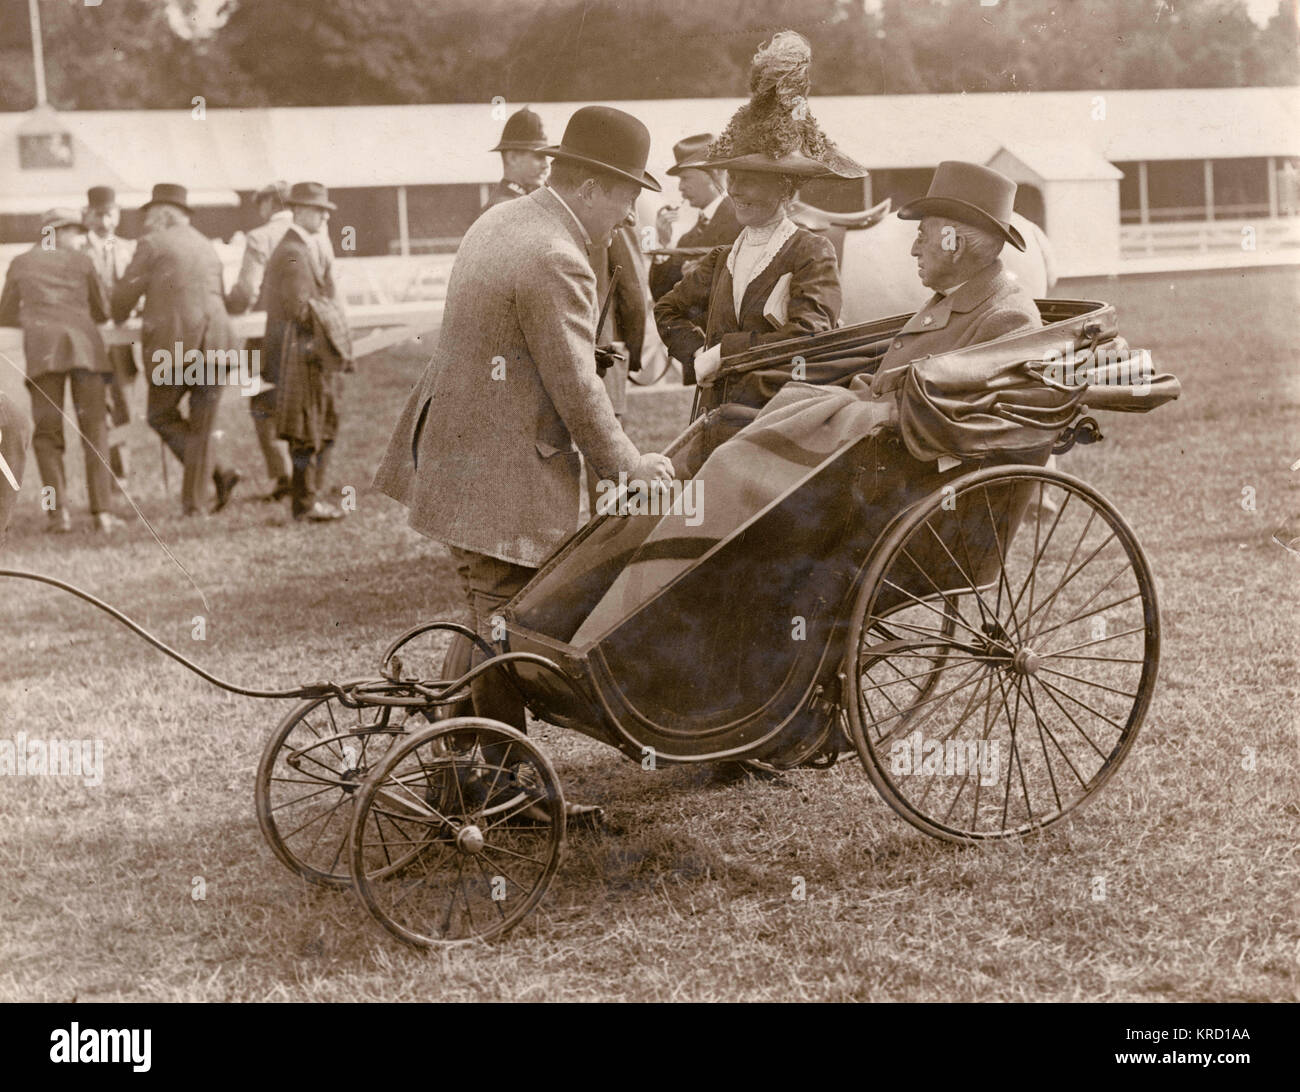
(549, 451)
(419, 428)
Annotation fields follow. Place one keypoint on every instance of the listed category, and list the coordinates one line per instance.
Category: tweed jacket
(987, 306)
(483, 454)
(179, 274)
(720, 230)
(259, 245)
(700, 312)
(57, 298)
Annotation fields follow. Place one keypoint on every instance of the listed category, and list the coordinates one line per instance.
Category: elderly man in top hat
(247, 291)
(716, 224)
(486, 452)
(178, 273)
(111, 254)
(965, 221)
(53, 292)
(308, 345)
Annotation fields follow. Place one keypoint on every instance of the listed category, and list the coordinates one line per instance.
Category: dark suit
(505, 190)
(57, 298)
(306, 409)
(179, 274)
(700, 312)
(720, 230)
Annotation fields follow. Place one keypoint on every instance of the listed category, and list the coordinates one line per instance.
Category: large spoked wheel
(1003, 653)
(309, 777)
(458, 833)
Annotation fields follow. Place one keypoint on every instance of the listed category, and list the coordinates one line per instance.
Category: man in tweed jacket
(486, 452)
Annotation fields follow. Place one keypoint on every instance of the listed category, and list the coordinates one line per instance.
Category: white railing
(1251, 238)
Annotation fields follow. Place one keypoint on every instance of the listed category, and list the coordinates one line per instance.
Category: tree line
(124, 54)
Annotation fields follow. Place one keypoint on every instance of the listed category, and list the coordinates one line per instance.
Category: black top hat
(690, 152)
(312, 194)
(969, 194)
(168, 193)
(101, 197)
(523, 132)
(609, 139)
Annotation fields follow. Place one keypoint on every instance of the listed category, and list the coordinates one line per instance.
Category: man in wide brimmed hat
(965, 220)
(274, 216)
(703, 189)
(111, 254)
(177, 271)
(523, 166)
(486, 452)
(53, 292)
(308, 346)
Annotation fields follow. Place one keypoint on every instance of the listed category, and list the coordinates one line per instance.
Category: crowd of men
(81, 274)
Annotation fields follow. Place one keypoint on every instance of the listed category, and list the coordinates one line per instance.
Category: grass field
(688, 892)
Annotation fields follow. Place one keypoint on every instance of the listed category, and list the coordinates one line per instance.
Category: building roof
(229, 150)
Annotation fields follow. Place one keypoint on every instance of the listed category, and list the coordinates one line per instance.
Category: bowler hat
(969, 194)
(61, 218)
(610, 139)
(312, 194)
(168, 193)
(523, 132)
(101, 197)
(690, 153)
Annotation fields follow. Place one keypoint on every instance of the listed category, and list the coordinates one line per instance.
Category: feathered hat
(775, 131)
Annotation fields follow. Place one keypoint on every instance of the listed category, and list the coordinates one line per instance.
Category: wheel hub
(469, 840)
(1025, 661)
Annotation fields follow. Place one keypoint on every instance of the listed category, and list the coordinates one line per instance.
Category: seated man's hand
(653, 467)
(707, 362)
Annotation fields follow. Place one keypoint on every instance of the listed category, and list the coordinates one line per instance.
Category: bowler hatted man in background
(111, 254)
(259, 244)
(178, 272)
(486, 452)
(53, 292)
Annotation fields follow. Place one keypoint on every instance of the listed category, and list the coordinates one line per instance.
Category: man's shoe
(106, 523)
(60, 523)
(225, 483)
(283, 487)
(320, 512)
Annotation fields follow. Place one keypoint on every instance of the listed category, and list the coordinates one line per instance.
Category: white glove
(707, 362)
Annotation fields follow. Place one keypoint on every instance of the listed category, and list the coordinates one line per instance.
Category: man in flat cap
(486, 452)
(178, 273)
(247, 292)
(703, 189)
(53, 292)
(110, 255)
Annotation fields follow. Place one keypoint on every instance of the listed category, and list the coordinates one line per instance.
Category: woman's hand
(707, 363)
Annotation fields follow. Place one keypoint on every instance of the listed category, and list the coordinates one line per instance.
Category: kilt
(306, 406)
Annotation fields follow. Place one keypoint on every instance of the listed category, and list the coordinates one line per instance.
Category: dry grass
(688, 892)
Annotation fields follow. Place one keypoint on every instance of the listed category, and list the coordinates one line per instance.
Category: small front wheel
(458, 833)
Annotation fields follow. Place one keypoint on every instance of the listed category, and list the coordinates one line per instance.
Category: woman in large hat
(777, 280)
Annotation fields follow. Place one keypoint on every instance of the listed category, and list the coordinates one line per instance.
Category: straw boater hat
(774, 132)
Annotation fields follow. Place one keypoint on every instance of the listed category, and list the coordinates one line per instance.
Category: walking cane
(607, 352)
(162, 453)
